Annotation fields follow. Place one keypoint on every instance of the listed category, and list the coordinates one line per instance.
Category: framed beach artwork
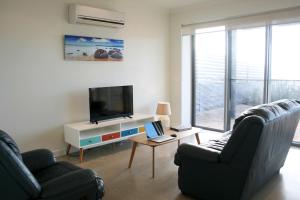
(93, 48)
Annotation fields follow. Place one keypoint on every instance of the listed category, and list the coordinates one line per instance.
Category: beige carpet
(136, 183)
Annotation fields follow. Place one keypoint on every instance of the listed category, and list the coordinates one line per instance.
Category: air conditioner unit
(96, 16)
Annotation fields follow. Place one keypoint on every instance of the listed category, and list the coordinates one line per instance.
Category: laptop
(155, 132)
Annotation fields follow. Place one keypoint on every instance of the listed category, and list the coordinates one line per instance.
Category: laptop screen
(154, 129)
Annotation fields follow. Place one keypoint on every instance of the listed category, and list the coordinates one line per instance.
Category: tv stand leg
(81, 155)
(68, 149)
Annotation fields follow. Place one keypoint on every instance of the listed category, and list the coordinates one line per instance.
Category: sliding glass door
(237, 69)
(285, 65)
(247, 70)
(209, 78)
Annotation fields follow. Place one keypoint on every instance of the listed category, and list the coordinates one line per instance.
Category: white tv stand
(85, 135)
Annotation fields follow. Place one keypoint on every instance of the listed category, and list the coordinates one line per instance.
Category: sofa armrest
(197, 153)
(38, 159)
(71, 183)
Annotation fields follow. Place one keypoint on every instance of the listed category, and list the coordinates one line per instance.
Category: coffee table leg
(197, 138)
(132, 153)
(153, 162)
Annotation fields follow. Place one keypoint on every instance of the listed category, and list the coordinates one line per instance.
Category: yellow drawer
(141, 129)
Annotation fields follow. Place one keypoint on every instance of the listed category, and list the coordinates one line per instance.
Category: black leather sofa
(36, 175)
(243, 160)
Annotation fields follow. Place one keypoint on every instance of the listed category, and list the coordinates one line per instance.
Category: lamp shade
(163, 108)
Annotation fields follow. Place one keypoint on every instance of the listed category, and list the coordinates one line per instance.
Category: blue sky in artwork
(92, 41)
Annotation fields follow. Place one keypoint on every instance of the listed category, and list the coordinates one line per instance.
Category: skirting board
(59, 152)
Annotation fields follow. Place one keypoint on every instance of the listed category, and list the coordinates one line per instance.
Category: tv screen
(110, 102)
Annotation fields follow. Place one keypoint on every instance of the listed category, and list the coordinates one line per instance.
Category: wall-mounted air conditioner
(96, 16)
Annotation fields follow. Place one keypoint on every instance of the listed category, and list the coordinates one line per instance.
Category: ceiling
(175, 3)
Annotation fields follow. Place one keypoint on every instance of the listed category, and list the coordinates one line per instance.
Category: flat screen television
(110, 102)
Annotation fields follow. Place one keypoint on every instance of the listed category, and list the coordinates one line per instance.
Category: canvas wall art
(93, 49)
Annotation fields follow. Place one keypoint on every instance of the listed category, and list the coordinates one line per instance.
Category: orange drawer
(141, 129)
(110, 136)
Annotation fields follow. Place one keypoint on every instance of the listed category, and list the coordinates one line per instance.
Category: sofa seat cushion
(218, 144)
(54, 171)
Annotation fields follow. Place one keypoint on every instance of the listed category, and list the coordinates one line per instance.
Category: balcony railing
(209, 98)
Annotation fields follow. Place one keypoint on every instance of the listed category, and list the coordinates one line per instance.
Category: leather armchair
(36, 175)
(238, 164)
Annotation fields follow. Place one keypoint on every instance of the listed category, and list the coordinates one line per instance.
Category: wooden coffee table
(142, 139)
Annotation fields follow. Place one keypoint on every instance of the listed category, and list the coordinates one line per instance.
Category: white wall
(209, 11)
(40, 91)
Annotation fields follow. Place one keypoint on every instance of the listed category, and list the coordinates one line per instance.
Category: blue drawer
(129, 132)
(89, 141)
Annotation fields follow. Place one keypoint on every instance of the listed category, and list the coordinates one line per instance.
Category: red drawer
(110, 136)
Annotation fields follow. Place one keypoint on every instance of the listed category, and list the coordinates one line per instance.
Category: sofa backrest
(260, 142)
(273, 147)
(16, 181)
(10, 143)
(242, 144)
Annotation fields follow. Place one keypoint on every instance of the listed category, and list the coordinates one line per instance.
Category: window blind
(289, 15)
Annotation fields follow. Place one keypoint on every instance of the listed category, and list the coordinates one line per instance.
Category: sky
(92, 41)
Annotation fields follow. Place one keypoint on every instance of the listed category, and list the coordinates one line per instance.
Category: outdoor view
(247, 71)
(210, 79)
(285, 73)
(247, 75)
